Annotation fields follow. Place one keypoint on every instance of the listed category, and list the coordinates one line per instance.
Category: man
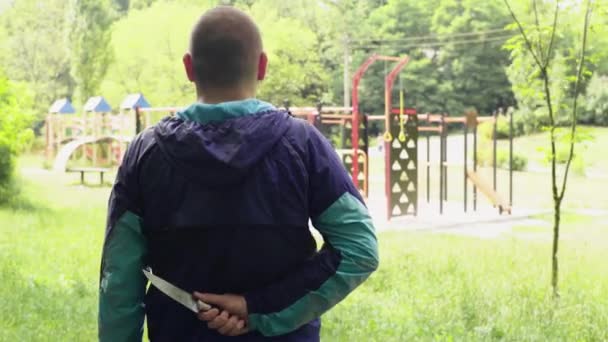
(217, 201)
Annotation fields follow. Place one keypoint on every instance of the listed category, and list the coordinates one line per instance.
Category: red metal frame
(388, 88)
(402, 61)
(355, 121)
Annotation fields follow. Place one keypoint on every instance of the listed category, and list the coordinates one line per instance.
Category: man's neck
(214, 97)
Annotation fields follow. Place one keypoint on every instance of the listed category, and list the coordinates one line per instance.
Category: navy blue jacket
(218, 200)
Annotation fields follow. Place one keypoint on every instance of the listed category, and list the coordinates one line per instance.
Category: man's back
(225, 209)
(218, 200)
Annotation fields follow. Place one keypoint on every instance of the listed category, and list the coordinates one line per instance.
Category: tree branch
(552, 33)
(539, 41)
(526, 40)
(576, 94)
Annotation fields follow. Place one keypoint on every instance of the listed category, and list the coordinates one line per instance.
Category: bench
(84, 170)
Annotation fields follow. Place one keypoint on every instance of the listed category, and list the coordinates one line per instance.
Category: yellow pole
(401, 121)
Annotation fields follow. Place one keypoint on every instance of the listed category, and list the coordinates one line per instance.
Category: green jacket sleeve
(122, 284)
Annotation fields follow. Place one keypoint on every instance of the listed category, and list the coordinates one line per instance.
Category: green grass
(428, 287)
(593, 153)
(455, 288)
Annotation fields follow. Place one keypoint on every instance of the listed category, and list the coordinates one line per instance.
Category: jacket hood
(216, 145)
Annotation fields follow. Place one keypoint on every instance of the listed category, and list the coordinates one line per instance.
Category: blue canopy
(97, 104)
(134, 100)
(62, 106)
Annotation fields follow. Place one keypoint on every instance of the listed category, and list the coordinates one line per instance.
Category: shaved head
(225, 49)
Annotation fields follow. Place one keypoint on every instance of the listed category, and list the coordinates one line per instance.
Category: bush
(486, 129)
(15, 133)
(596, 102)
(6, 172)
(485, 158)
(520, 162)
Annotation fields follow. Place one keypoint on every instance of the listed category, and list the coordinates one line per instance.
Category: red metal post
(355, 115)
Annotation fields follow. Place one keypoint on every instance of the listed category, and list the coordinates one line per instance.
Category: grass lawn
(429, 286)
(593, 152)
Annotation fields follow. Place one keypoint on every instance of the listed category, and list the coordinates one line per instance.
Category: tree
(295, 71)
(472, 66)
(394, 23)
(455, 60)
(538, 40)
(37, 49)
(149, 43)
(91, 51)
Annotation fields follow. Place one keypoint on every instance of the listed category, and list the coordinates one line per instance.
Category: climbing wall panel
(402, 168)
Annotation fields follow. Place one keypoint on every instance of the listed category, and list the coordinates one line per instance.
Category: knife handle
(202, 306)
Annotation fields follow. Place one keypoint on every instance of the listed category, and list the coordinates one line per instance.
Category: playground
(460, 241)
(455, 120)
(95, 140)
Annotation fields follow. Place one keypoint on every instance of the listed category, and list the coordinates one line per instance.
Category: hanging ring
(388, 137)
(401, 136)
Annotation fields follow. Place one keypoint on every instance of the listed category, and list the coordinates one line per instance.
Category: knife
(175, 293)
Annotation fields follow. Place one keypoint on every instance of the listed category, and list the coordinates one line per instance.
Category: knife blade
(175, 293)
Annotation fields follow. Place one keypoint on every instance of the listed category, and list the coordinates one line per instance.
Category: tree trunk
(555, 264)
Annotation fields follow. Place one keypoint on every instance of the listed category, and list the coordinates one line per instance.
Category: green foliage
(91, 53)
(447, 75)
(14, 133)
(532, 113)
(596, 101)
(148, 45)
(582, 141)
(295, 71)
(473, 74)
(79, 48)
(486, 129)
(485, 157)
(37, 49)
(148, 55)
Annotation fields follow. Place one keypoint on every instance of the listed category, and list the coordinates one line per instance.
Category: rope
(388, 137)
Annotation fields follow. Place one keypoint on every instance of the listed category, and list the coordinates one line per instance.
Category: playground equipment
(329, 119)
(101, 138)
(433, 123)
(403, 126)
(96, 136)
(143, 115)
(60, 125)
(401, 179)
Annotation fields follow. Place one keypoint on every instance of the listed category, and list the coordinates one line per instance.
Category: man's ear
(262, 65)
(187, 59)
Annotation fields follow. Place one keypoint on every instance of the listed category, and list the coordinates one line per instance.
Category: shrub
(6, 172)
(485, 158)
(596, 102)
(15, 133)
(486, 129)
